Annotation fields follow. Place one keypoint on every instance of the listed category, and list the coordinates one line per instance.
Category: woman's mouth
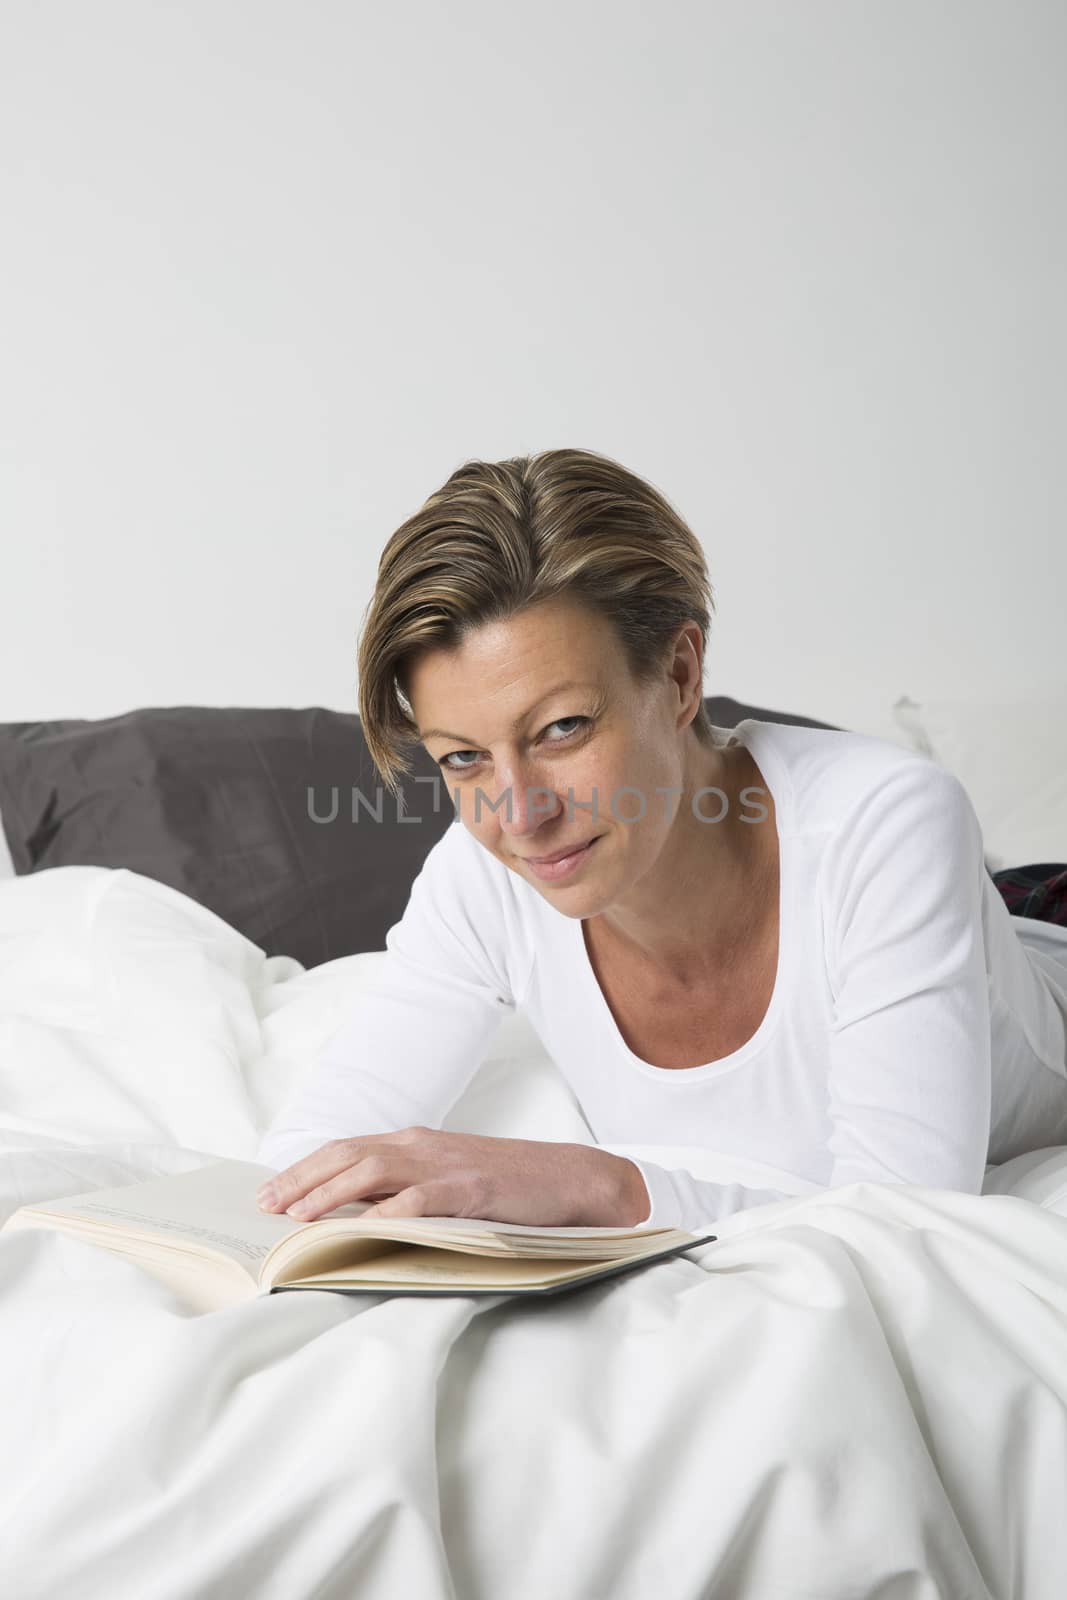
(552, 871)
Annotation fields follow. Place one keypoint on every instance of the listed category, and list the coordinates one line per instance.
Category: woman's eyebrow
(442, 733)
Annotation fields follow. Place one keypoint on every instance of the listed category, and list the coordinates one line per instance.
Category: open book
(203, 1234)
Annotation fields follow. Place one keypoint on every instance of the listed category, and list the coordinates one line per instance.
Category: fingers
(435, 1197)
(311, 1173)
(289, 1184)
(409, 1202)
(384, 1168)
(370, 1175)
(373, 1175)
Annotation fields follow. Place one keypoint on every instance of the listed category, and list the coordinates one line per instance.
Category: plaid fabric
(1035, 891)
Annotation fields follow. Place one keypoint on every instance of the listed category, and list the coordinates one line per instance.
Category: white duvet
(859, 1392)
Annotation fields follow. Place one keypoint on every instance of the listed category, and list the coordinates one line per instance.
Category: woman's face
(541, 711)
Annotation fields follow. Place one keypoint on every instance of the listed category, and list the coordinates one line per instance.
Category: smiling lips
(571, 850)
(555, 868)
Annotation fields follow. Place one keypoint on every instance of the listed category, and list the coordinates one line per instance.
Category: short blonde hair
(500, 536)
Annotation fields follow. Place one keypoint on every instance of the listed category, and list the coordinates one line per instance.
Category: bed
(854, 1392)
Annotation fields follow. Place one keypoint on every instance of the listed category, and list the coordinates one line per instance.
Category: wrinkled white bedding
(857, 1392)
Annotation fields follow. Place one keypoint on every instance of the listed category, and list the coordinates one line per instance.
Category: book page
(413, 1266)
(212, 1209)
(530, 1230)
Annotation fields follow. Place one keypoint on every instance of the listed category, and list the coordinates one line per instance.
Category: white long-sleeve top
(916, 1030)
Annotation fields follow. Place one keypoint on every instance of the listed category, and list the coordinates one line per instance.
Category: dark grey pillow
(276, 820)
(249, 812)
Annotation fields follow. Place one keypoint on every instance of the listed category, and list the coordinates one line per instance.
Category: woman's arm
(411, 1043)
(675, 1197)
(416, 1033)
(910, 1070)
(907, 1067)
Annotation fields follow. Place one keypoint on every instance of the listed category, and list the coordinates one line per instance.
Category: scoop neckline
(777, 781)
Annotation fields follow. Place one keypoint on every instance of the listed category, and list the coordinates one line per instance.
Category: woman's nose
(521, 803)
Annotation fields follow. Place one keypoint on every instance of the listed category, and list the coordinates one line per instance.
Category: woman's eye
(448, 762)
(560, 721)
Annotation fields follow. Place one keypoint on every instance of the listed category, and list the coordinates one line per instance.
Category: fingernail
(299, 1208)
(267, 1196)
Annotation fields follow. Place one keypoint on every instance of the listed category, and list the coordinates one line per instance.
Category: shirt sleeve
(908, 1053)
(417, 1030)
(677, 1198)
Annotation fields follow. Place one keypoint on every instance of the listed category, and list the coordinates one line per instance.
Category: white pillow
(1036, 1175)
(1011, 757)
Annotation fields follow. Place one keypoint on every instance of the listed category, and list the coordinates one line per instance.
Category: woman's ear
(686, 671)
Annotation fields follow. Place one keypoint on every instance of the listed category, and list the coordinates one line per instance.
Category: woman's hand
(426, 1172)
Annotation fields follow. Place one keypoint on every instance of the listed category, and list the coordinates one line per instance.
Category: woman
(780, 942)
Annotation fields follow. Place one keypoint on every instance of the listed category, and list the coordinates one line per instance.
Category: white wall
(272, 270)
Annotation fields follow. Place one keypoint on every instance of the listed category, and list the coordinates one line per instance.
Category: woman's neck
(713, 890)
